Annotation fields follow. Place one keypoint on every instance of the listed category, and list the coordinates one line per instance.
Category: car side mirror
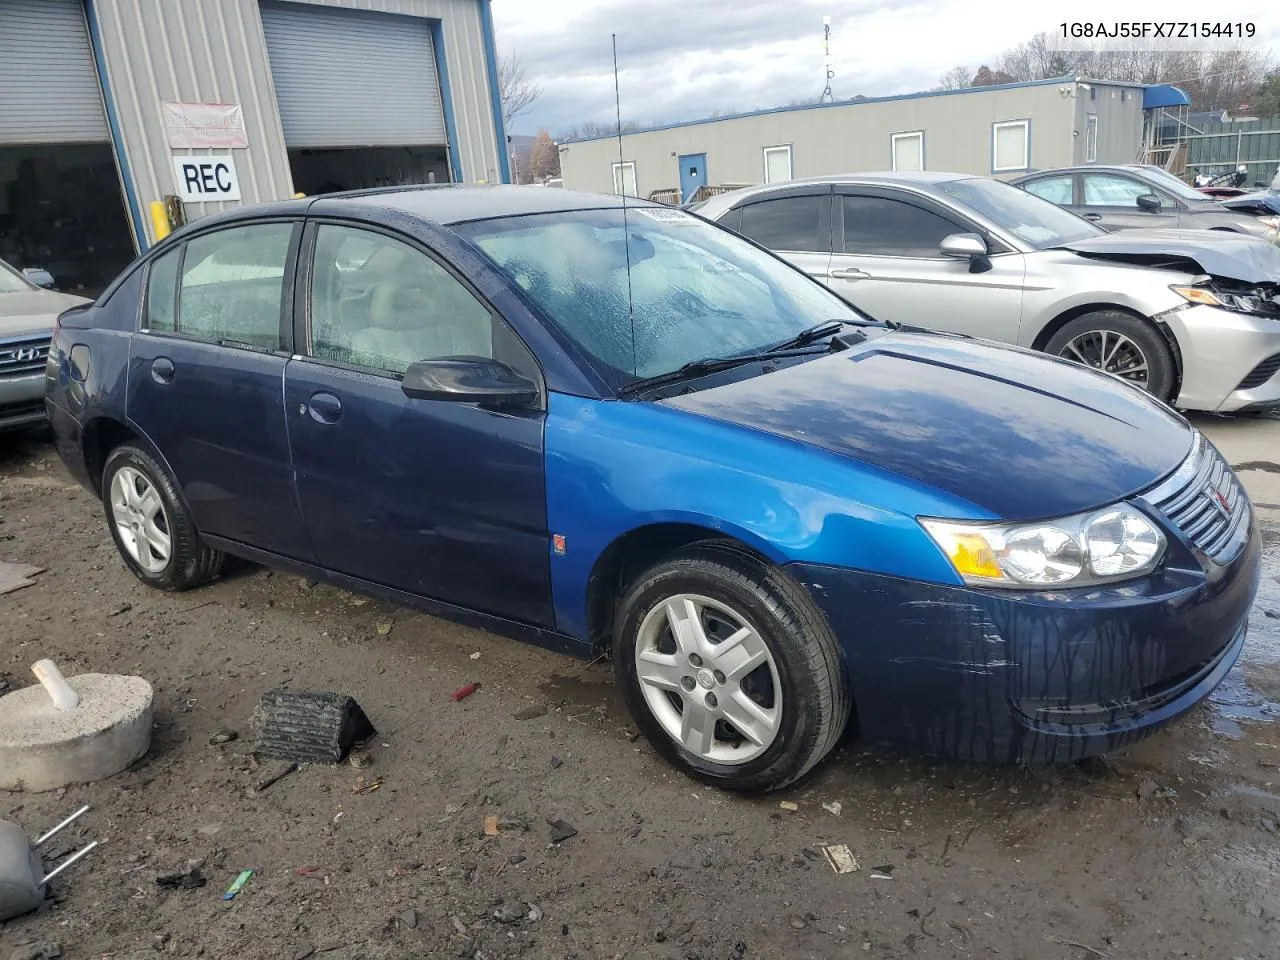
(39, 276)
(967, 246)
(1148, 202)
(481, 380)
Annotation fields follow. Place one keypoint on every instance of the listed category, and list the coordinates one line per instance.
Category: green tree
(1266, 102)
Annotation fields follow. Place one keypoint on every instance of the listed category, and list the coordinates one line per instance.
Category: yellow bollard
(160, 220)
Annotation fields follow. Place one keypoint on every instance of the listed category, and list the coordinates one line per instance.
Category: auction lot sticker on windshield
(666, 215)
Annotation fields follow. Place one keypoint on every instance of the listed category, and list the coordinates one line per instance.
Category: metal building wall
(214, 51)
(843, 138)
(1119, 112)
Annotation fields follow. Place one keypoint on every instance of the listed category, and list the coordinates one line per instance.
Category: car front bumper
(1017, 677)
(1221, 351)
(21, 400)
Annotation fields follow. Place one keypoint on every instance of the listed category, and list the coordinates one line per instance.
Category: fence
(1221, 147)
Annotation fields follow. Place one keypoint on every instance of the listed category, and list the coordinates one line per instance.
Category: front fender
(613, 467)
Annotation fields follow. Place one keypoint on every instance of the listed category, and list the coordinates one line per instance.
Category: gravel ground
(1166, 850)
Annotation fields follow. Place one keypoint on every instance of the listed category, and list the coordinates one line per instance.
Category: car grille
(1261, 373)
(18, 358)
(1204, 500)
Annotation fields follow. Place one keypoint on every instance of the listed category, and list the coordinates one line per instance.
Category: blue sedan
(605, 425)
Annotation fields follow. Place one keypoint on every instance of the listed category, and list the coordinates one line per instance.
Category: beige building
(1001, 130)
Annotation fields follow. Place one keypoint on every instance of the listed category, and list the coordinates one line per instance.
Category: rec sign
(206, 179)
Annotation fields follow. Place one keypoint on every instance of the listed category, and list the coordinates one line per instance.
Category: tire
(151, 516)
(802, 701)
(1085, 332)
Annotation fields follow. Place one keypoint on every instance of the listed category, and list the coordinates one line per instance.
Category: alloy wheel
(140, 519)
(709, 679)
(1110, 351)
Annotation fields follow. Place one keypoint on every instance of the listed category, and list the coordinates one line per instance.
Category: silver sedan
(1192, 316)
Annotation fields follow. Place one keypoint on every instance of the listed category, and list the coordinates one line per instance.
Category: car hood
(1015, 433)
(1262, 203)
(1220, 253)
(33, 311)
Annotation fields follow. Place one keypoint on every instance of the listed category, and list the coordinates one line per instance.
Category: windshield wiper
(706, 365)
(827, 328)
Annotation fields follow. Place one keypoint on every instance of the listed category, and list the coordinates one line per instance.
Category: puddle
(1235, 700)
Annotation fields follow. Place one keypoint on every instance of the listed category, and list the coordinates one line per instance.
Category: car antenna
(622, 178)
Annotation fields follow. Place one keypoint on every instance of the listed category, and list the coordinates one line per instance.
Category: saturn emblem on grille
(1218, 499)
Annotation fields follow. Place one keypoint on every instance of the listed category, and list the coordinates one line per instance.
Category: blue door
(439, 499)
(693, 174)
(205, 379)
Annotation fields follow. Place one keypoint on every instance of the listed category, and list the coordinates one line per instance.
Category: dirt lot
(1167, 850)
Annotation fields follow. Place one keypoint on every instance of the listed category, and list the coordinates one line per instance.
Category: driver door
(1111, 201)
(441, 499)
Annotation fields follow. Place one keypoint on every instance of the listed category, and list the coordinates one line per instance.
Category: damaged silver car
(1193, 316)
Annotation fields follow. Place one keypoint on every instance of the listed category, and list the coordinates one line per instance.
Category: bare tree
(519, 93)
(544, 157)
(957, 78)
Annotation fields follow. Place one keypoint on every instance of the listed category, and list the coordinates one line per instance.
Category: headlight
(1116, 543)
(1239, 302)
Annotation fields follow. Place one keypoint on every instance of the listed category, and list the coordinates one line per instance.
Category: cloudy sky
(683, 59)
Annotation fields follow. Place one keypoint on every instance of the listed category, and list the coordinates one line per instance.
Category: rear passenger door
(793, 223)
(206, 378)
(888, 263)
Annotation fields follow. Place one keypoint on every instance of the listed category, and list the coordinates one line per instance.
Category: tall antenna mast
(622, 182)
(827, 95)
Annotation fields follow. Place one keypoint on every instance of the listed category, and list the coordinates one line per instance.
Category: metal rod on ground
(83, 810)
(68, 862)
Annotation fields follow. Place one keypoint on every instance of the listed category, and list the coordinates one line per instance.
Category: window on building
(231, 289)
(1011, 145)
(1091, 138)
(777, 163)
(379, 303)
(908, 151)
(788, 223)
(624, 179)
(1107, 190)
(878, 226)
(1054, 189)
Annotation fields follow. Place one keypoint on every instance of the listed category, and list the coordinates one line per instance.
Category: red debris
(306, 871)
(463, 692)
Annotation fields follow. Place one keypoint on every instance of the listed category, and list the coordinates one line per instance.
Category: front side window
(377, 302)
(1011, 145)
(908, 151)
(232, 285)
(693, 290)
(1091, 138)
(1035, 222)
(624, 179)
(11, 281)
(1054, 189)
(877, 226)
(1105, 190)
(777, 164)
(788, 223)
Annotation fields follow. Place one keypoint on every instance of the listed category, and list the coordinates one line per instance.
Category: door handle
(848, 273)
(162, 370)
(324, 408)
(1093, 216)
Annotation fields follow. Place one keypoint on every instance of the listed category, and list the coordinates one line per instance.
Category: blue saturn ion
(603, 425)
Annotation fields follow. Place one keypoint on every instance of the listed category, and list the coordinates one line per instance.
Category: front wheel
(1120, 344)
(729, 669)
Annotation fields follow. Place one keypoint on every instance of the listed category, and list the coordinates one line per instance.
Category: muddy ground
(1169, 849)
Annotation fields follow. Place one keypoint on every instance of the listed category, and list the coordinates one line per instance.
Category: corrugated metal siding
(468, 76)
(1119, 113)
(48, 80)
(197, 52)
(385, 94)
(848, 138)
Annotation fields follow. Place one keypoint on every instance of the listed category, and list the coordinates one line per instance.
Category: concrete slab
(14, 576)
(44, 748)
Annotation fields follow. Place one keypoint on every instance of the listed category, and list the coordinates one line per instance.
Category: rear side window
(162, 292)
(789, 223)
(1054, 189)
(877, 226)
(233, 285)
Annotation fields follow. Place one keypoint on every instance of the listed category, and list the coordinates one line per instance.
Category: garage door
(348, 78)
(48, 79)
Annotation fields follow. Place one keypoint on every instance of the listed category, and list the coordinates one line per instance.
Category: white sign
(206, 179)
(204, 124)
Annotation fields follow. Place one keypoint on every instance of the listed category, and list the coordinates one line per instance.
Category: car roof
(922, 180)
(1086, 167)
(447, 204)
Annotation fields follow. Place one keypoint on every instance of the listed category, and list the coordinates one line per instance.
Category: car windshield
(693, 290)
(1036, 222)
(11, 281)
(1167, 181)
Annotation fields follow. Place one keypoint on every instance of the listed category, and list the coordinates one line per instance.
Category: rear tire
(1121, 344)
(729, 669)
(150, 524)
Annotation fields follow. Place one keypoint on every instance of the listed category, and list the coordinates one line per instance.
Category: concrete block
(44, 748)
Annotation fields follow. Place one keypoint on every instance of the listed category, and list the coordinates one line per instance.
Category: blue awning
(1163, 95)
